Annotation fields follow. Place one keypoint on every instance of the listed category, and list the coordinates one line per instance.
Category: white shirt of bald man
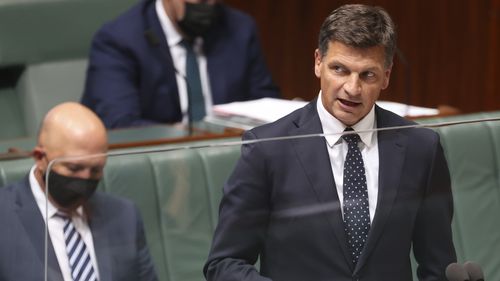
(56, 229)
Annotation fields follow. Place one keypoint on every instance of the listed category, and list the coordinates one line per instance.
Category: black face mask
(70, 191)
(198, 18)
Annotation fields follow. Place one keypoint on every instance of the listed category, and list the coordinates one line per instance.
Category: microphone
(456, 272)
(189, 109)
(153, 40)
(474, 270)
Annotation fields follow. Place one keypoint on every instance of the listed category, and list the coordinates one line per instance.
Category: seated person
(161, 56)
(91, 235)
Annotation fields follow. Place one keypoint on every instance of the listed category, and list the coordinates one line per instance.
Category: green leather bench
(11, 119)
(473, 154)
(34, 31)
(49, 41)
(178, 193)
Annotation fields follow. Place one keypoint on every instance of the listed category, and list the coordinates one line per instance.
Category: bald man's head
(70, 130)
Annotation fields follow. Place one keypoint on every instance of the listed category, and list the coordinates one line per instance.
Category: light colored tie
(78, 255)
(356, 210)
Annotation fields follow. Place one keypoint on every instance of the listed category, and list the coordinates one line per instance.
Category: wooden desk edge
(200, 135)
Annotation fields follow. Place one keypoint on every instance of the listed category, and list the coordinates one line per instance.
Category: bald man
(105, 233)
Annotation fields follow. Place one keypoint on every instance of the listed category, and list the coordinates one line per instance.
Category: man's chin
(71, 208)
(347, 118)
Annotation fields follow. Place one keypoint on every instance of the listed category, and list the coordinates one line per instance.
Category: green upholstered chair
(473, 154)
(14, 170)
(40, 87)
(51, 39)
(11, 119)
(44, 85)
(178, 193)
(33, 31)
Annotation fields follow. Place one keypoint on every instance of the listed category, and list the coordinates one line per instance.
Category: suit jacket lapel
(155, 36)
(313, 155)
(34, 225)
(391, 146)
(97, 224)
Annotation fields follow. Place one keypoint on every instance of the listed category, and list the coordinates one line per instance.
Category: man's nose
(353, 85)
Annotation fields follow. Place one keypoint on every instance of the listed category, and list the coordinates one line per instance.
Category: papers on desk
(406, 110)
(248, 114)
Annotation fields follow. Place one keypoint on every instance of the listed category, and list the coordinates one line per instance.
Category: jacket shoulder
(129, 24)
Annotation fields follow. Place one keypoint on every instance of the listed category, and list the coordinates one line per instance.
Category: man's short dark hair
(359, 26)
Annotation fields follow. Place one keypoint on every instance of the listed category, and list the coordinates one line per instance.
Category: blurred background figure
(165, 61)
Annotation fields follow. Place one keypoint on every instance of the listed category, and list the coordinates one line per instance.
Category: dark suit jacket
(117, 231)
(131, 77)
(281, 204)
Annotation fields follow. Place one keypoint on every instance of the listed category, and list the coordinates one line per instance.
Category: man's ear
(39, 157)
(317, 63)
(38, 153)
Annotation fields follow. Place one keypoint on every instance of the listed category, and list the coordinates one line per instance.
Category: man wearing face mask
(91, 235)
(169, 61)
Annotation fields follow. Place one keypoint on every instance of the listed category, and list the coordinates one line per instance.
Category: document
(248, 114)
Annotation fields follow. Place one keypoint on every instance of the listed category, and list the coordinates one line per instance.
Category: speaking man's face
(351, 80)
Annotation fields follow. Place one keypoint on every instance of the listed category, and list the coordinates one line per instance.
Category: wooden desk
(132, 137)
(159, 135)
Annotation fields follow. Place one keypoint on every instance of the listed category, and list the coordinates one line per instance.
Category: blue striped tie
(78, 255)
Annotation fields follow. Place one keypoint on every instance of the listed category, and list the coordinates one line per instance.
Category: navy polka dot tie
(356, 211)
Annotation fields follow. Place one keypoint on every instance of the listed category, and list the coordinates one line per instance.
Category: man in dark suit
(91, 236)
(137, 68)
(346, 206)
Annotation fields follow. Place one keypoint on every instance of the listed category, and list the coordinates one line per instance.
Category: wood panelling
(449, 49)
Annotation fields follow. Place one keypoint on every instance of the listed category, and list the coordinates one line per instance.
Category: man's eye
(339, 69)
(74, 168)
(96, 170)
(368, 75)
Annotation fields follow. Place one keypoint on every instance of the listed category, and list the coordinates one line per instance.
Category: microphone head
(456, 272)
(474, 270)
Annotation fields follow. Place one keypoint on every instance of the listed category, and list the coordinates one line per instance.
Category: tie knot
(351, 138)
(187, 44)
(62, 215)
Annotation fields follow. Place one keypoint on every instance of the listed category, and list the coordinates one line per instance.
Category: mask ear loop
(46, 238)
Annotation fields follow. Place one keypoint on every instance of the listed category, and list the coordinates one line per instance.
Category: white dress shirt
(337, 151)
(56, 229)
(178, 53)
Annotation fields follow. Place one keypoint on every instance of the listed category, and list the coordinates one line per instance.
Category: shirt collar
(39, 195)
(333, 128)
(172, 35)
